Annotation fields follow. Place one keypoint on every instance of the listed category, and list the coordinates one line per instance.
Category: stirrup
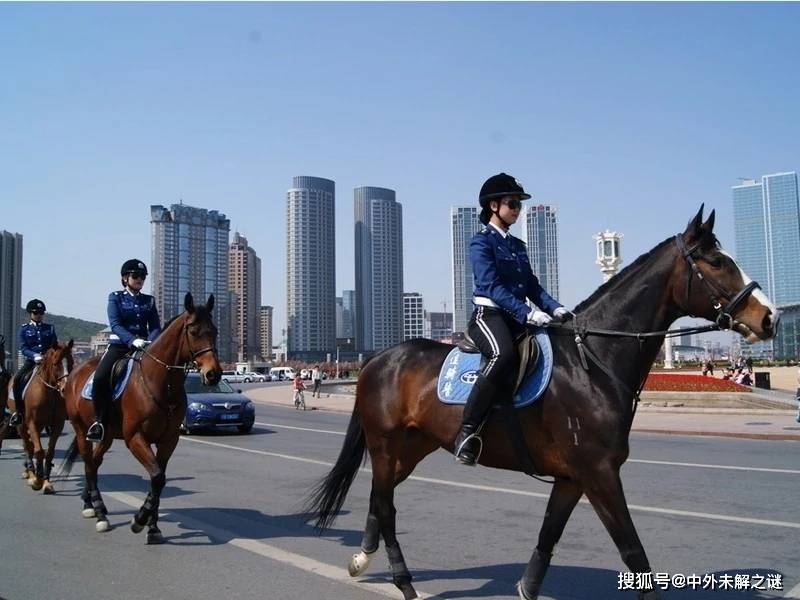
(15, 420)
(96, 437)
(477, 436)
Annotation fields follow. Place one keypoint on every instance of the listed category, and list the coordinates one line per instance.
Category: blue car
(214, 406)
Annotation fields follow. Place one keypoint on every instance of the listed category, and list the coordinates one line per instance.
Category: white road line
(794, 592)
(630, 460)
(304, 563)
(515, 492)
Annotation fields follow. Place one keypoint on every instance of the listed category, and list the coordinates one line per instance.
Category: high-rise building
(464, 224)
(265, 323)
(767, 235)
(244, 278)
(310, 268)
(10, 293)
(348, 314)
(190, 254)
(438, 326)
(413, 316)
(379, 268)
(540, 234)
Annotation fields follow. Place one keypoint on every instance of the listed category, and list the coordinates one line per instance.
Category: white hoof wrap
(102, 526)
(88, 513)
(358, 564)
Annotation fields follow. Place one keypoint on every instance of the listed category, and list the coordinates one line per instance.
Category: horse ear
(693, 228)
(708, 226)
(70, 343)
(188, 302)
(210, 303)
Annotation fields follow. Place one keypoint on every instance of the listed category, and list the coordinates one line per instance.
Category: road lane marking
(292, 559)
(794, 592)
(630, 460)
(515, 492)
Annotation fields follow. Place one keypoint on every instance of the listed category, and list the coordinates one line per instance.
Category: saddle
(527, 350)
(119, 378)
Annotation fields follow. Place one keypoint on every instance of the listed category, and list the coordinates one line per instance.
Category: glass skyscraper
(540, 234)
(311, 268)
(767, 236)
(379, 268)
(11, 293)
(464, 224)
(190, 254)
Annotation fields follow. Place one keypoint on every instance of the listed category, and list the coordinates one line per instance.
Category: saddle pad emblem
(460, 371)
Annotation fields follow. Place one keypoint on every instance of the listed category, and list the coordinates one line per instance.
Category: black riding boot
(18, 418)
(468, 441)
(97, 432)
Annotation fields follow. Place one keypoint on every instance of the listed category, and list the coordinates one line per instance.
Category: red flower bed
(668, 382)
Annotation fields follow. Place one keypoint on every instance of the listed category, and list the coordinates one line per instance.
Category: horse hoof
(88, 513)
(154, 537)
(102, 526)
(48, 488)
(358, 564)
(135, 527)
(523, 595)
(36, 484)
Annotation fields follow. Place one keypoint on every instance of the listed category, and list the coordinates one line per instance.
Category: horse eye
(715, 262)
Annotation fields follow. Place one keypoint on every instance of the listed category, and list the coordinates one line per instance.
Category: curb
(784, 437)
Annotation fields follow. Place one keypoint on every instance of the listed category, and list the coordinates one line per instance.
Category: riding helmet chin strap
(502, 220)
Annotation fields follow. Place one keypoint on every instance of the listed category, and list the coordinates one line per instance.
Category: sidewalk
(725, 422)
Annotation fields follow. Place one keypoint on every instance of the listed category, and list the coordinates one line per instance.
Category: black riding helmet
(498, 186)
(35, 305)
(133, 265)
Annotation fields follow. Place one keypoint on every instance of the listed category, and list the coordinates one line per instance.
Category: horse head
(710, 284)
(201, 335)
(57, 363)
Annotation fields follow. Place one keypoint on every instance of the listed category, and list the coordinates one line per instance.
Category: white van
(278, 373)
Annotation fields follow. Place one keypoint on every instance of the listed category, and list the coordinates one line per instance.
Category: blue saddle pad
(460, 370)
(119, 384)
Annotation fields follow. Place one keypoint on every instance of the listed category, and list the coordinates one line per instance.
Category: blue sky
(625, 116)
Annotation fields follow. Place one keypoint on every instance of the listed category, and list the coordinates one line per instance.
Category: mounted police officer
(503, 282)
(34, 339)
(134, 322)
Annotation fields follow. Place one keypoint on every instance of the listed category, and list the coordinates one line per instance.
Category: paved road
(702, 505)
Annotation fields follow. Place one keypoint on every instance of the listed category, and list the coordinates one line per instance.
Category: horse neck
(169, 349)
(639, 301)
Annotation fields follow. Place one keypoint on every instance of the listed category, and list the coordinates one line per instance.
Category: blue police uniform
(503, 274)
(33, 338)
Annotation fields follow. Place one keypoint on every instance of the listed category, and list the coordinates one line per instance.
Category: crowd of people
(740, 371)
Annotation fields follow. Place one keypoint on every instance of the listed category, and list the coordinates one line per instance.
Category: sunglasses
(37, 312)
(514, 203)
(141, 276)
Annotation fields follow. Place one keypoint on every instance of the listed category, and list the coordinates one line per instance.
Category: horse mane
(623, 275)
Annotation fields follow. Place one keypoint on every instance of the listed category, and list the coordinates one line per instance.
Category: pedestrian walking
(316, 376)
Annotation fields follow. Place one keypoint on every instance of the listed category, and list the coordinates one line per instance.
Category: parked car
(305, 374)
(280, 373)
(259, 377)
(234, 377)
(216, 406)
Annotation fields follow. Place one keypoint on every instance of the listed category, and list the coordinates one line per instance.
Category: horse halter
(192, 354)
(724, 318)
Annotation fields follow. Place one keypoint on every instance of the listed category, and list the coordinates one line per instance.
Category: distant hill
(70, 327)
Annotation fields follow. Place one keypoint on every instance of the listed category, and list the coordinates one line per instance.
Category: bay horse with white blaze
(44, 408)
(149, 411)
(577, 432)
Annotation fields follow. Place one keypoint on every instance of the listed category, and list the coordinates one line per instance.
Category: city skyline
(540, 234)
(11, 252)
(671, 125)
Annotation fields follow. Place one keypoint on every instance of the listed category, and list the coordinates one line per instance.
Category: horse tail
(328, 495)
(69, 458)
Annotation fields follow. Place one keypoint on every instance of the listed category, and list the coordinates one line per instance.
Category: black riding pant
(101, 388)
(494, 331)
(27, 367)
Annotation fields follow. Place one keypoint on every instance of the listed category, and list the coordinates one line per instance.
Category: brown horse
(150, 410)
(577, 432)
(44, 408)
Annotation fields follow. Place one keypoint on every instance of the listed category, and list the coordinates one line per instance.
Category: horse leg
(27, 453)
(608, 499)
(563, 498)
(148, 512)
(417, 446)
(92, 459)
(55, 433)
(37, 452)
(384, 464)
(164, 451)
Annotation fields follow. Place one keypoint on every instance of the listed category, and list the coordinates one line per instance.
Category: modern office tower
(464, 224)
(10, 293)
(439, 326)
(413, 316)
(244, 278)
(190, 254)
(767, 236)
(348, 314)
(265, 323)
(310, 268)
(379, 268)
(540, 234)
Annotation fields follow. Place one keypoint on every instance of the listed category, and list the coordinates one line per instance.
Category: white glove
(139, 344)
(539, 318)
(560, 314)
(37, 358)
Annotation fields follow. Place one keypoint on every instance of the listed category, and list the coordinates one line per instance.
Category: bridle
(717, 294)
(186, 366)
